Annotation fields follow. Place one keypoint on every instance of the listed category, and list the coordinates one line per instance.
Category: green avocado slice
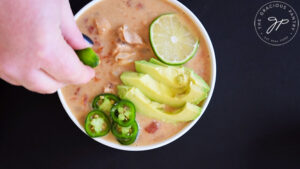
(159, 92)
(196, 79)
(156, 110)
(174, 77)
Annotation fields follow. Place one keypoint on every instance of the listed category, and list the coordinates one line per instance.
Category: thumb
(69, 28)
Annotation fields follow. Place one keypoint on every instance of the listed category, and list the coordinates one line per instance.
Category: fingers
(9, 73)
(56, 57)
(39, 81)
(65, 66)
(69, 28)
(10, 80)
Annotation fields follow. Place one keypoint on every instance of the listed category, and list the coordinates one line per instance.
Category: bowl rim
(186, 128)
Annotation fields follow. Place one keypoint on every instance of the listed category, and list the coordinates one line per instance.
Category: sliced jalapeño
(123, 113)
(97, 124)
(105, 102)
(125, 135)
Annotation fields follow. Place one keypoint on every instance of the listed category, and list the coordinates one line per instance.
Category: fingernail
(88, 40)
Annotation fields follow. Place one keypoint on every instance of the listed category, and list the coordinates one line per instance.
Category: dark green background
(252, 122)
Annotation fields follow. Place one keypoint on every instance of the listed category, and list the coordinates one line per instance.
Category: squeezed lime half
(88, 57)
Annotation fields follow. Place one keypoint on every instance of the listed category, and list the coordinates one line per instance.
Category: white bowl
(189, 126)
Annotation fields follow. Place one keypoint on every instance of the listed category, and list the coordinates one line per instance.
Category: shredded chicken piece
(129, 37)
(102, 25)
(122, 47)
(123, 53)
(124, 58)
(109, 88)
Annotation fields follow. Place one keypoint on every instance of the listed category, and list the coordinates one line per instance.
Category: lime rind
(167, 29)
(88, 57)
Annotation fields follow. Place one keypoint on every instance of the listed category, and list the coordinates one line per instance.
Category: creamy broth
(137, 15)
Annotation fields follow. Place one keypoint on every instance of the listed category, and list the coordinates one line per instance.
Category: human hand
(37, 39)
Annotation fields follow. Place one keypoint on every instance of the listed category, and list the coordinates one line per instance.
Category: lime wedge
(171, 41)
(88, 57)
